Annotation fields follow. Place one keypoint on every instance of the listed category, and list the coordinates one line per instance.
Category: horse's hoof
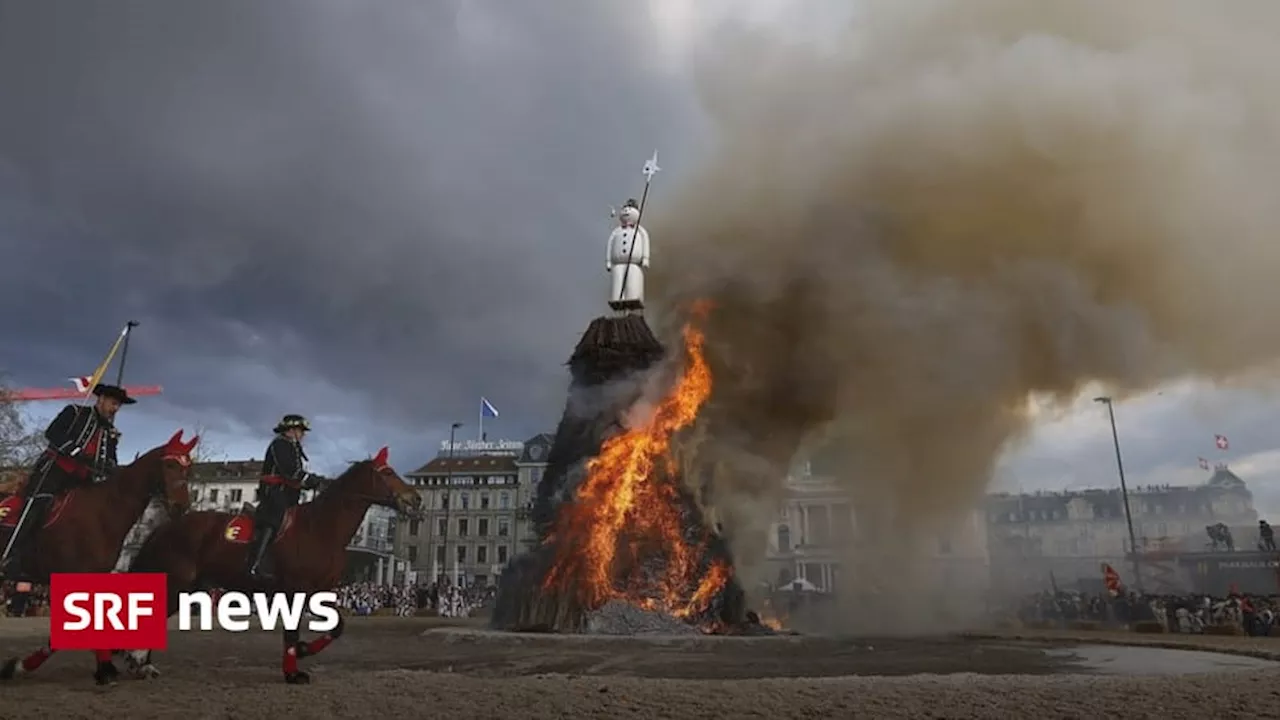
(9, 670)
(298, 678)
(106, 674)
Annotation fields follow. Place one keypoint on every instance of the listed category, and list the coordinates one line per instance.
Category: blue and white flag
(487, 410)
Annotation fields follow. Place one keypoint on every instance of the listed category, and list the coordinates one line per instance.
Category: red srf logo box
(107, 611)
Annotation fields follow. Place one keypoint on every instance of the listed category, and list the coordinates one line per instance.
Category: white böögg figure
(628, 259)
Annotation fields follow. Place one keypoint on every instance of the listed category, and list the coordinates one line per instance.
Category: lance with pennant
(39, 482)
(650, 169)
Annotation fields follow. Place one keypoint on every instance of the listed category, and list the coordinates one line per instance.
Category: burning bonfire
(627, 526)
(619, 529)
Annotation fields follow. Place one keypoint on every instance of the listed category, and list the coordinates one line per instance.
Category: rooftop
(227, 471)
(468, 465)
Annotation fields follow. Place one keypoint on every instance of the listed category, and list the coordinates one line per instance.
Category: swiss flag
(1221, 442)
(1204, 464)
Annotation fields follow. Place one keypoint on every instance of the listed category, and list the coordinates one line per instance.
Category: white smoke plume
(961, 203)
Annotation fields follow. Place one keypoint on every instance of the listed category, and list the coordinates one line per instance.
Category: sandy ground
(425, 668)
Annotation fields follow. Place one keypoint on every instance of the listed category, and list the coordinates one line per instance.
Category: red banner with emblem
(1112, 578)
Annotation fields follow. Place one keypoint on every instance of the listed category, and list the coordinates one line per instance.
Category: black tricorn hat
(289, 422)
(114, 392)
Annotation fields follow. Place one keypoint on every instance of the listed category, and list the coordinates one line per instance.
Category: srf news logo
(96, 611)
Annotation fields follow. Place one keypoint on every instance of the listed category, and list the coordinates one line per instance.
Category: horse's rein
(387, 500)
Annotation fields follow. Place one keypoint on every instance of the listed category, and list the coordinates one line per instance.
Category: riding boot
(261, 545)
(24, 543)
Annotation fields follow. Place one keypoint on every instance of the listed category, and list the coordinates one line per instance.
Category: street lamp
(1124, 490)
(448, 497)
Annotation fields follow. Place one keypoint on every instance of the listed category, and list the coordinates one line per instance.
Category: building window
(482, 555)
(465, 499)
(444, 500)
(462, 554)
(785, 576)
(442, 528)
(502, 554)
(440, 555)
(504, 501)
(213, 495)
(484, 501)
(482, 527)
(195, 496)
(784, 538)
(413, 528)
(462, 527)
(535, 476)
(413, 553)
(236, 495)
(504, 527)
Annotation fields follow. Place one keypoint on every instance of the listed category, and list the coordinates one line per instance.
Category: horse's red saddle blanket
(11, 510)
(239, 529)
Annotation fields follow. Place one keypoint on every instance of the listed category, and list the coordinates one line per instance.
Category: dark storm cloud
(403, 199)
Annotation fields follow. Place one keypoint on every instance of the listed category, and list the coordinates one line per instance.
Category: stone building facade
(476, 499)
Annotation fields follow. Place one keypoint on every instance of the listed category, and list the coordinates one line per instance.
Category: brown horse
(86, 527)
(204, 550)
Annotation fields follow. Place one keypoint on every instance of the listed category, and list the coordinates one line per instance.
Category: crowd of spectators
(1252, 614)
(357, 598)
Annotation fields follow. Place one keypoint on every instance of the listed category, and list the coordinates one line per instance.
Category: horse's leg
(139, 662)
(315, 647)
(14, 667)
(106, 674)
(289, 665)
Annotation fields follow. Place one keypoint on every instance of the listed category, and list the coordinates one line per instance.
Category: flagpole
(102, 369)
(480, 425)
(124, 351)
(650, 169)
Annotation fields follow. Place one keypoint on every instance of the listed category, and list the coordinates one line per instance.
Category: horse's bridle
(388, 500)
(160, 489)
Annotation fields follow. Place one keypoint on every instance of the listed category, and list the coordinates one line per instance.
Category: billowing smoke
(961, 203)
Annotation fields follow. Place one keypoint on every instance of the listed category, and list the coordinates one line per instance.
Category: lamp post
(1124, 490)
(448, 498)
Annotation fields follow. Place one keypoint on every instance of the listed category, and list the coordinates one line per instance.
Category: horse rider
(284, 477)
(82, 450)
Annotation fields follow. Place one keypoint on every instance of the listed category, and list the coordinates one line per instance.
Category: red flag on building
(1221, 442)
(1204, 464)
(1112, 578)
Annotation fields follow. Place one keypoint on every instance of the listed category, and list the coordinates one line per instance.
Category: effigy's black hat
(113, 392)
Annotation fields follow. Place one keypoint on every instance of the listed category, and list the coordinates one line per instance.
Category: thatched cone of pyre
(609, 368)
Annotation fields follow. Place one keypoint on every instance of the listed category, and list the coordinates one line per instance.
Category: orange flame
(628, 510)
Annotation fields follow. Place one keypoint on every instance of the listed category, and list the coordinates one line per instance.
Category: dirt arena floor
(429, 668)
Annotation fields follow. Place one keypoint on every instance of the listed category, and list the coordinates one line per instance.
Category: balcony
(373, 544)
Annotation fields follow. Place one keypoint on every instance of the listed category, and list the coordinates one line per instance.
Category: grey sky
(372, 210)
(375, 213)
